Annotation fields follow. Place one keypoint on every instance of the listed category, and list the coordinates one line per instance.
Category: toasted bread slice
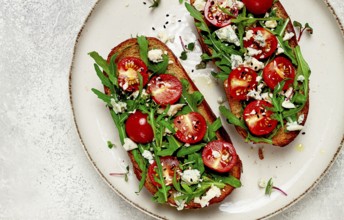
(282, 137)
(130, 48)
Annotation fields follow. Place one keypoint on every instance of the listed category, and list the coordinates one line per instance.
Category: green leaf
(102, 96)
(110, 144)
(198, 16)
(193, 99)
(190, 46)
(230, 180)
(232, 119)
(155, 4)
(173, 145)
(100, 61)
(269, 187)
(160, 67)
(183, 55)
(105, 80)
(189, 150)
(211, 130)
(143, 46)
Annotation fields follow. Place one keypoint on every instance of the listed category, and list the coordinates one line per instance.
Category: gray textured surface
(44, 172)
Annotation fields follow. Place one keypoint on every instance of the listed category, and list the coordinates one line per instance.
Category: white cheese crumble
(280, 50)
(294, 126)
(252, 52)
(129, 144)
(300, 78)
(260, 39)
(261, 183)
(228, 34)
(179, 202)
(289, 92)
(288, 104)
(163, 36)
(301, 119)
(155, 55)
(174, 109)
(135, 94)
(210, 194)
(266, 96)
(271, 24)
(199, 5)
(118, 107)
(191, 176)
(236, 61)
(253, 63)
(148, 155)
(288, 36)
(248, 35)
(220, 100)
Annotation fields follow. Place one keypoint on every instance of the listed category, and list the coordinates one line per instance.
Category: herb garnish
(270, 186)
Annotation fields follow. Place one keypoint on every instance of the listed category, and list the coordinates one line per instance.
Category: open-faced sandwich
(265, 76)
(178, 148)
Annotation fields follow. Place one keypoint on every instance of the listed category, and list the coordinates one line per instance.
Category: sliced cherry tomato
(170, 165)
(191, 127)
(128, 70)
(258, 7)
(261, 40)
(258, 118)
(165, 89)
(138, 129)
(219, 156)
(241, 80)
(215, 15)
(277, 70)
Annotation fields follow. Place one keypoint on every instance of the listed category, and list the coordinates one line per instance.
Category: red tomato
(170, 165)
(258, 118)
(258, 7)
(215, 15)
(138, 129)
(128, 70)
(219, 156)
(165, 89)
(191, 127)
(277, 70)
(263, 41)
(241, 80)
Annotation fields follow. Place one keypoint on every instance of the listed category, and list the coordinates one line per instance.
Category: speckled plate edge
(340, 25)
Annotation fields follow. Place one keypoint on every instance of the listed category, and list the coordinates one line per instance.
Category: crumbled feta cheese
(210, 194)
(216, 154)
(249, 35)
(260, 39)
(118, 107)
(288, 94)
(148, 155)
(271, 24)
(261, 183)
(191, 176)
(220, 100)
(300, 78)
(179, 202)
(288, 104)
(236, 61)
(301, 119)
(288, 36)
(155, 55)
(280, 50)
(253, 63)
(228, 34)
(266, 96)
(239, 5)
(174, 109)
(129, 144)
(135, 94)
(258, 78)
(294, 126)
(163, 36)
(167, 131)
(199, 5)
(252, 52)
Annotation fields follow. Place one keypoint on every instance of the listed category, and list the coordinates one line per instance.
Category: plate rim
(299, 198)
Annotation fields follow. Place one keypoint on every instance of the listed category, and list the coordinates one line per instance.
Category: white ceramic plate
(295, 169)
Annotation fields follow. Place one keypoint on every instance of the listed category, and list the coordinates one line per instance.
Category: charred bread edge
(204, 109)
(281, 138)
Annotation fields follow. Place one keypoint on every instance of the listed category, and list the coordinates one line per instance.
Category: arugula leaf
(269, 187)
(230, 180)
(155, 4)
(232, 119)
(143, 47)
(173, 145)
(192, 100)
(105, 80)
(201, 24)
(160, 67)
(100, 61)
(189, 150)
(113, 71)
(210, 135)
(288, 51)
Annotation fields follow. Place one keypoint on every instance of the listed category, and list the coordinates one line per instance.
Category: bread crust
(130, 48)
(281, 138)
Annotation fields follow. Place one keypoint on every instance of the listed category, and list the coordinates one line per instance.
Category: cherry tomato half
(258, 7)
(219, 156)
(138, 129)
(241, 80)
(165, 89)
(191, 127)
(277, 70)
(215, 15)
(263, 41)
(170, 165)
(258, 118)
(128, 70)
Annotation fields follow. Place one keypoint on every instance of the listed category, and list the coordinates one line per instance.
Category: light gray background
(44, 172)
